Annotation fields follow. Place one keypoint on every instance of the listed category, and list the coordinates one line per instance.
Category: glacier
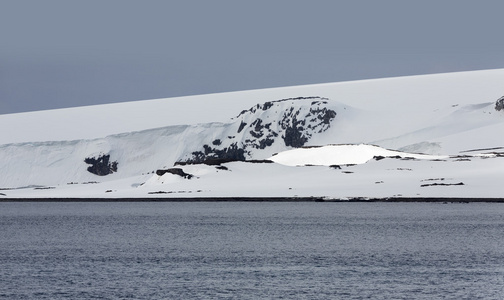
(428, 136)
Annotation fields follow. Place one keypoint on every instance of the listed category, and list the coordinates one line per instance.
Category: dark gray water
(251, 251)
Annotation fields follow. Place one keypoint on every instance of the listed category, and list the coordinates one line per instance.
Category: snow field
(431, 118)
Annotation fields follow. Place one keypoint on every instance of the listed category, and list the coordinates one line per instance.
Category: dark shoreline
(260, 199)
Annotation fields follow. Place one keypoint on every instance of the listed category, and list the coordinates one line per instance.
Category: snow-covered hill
(338, 140)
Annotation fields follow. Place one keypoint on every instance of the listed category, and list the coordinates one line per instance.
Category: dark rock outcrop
(261, 135)
(499, 104)
(175, 171)
(291, 121)
(296, 130)
(242, 125)
(260, 161)
(294, 137)
(101, 165)
(441, 184)
(231, 153)
(220, 161)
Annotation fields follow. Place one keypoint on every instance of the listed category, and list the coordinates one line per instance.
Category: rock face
(175, 171)
(499, 104)
(101, 165)
(291, 121)
(231, 153)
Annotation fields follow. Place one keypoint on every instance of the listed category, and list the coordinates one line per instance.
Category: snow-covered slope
(121, 150)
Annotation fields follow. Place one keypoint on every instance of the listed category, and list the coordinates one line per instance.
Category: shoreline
(263, 199)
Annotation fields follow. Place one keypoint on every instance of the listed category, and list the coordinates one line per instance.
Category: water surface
(240, 250)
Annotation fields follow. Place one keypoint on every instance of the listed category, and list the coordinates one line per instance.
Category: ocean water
(260, 250)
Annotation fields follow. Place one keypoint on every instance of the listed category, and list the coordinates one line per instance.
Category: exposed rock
(175, 171)
(231, 153)
(441, 184)
(219, 161)
(260, 161)
(294, 137)
(296, 134)
(242, 125)
(101, 165)
(208, 162)
(267, 105)
(433, 179)
(292, 120)
(499, 104)
(159, 192)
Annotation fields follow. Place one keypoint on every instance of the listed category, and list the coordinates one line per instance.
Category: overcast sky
(56, 54)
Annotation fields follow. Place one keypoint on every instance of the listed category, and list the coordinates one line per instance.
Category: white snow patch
(340, 155)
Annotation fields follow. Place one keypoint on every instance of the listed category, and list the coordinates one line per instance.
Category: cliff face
(284, 123)
(255, 133)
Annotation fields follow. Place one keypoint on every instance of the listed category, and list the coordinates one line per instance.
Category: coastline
(263, 199)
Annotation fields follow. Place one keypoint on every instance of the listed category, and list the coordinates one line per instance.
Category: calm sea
(239, 250)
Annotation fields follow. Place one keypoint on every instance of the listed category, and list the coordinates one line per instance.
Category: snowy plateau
(417, 137)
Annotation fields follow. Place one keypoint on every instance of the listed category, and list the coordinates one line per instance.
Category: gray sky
(56, 54)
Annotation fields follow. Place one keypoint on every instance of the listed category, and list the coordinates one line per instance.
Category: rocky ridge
(286, 123)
